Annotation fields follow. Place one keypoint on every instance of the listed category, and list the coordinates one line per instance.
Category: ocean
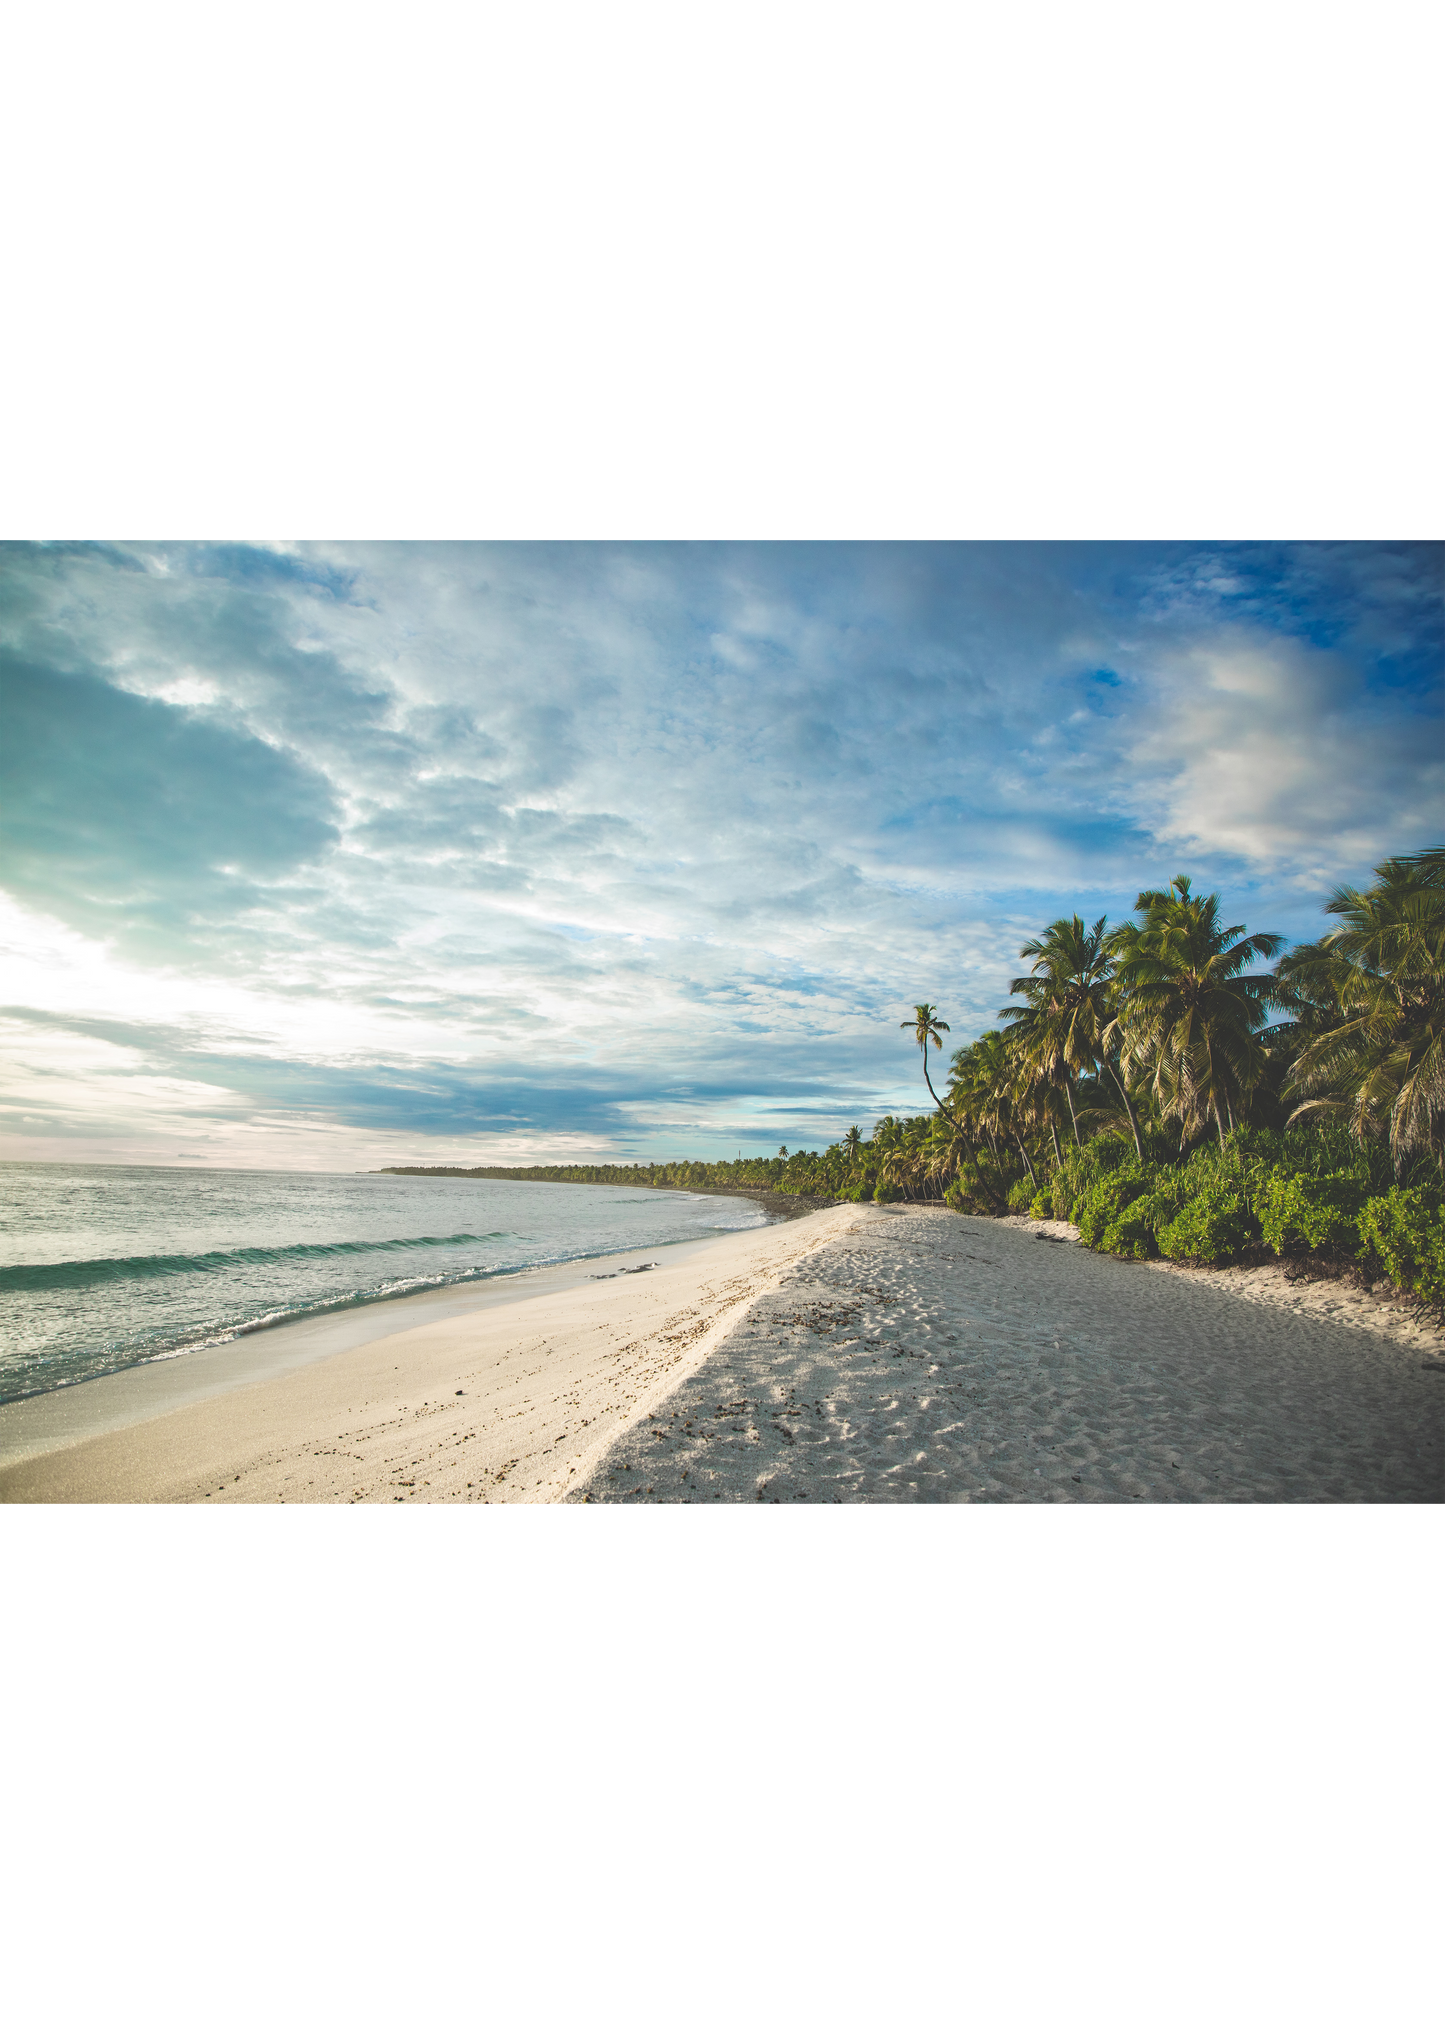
(105, 1266)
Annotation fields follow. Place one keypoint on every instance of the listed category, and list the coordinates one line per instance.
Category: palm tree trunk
(1128, 1108)
(1073, 1111)
(939, 1104)
(1058, 1153)
(963, 1133)
(1028, 1162)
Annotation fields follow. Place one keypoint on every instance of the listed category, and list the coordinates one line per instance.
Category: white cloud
(677, 818)
(1269, 749)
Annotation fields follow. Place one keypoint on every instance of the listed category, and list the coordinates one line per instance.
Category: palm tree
(1068, 1006)
(1041, 1077)
(889, 1142)
(991, 1085)
(943, 1150)
(971, 1090)
(1041, 1098)
(1373, 990)
(852, 1143)
(1190, 1011)
(925, 1026)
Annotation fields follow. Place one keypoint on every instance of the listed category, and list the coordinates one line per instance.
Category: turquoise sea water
(103, 1266)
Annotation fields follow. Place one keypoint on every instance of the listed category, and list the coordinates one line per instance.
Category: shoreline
(162, 1383)
(895, 1354)
(547, 1356)
(783, 1206)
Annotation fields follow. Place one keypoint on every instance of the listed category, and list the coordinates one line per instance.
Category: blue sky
(339, 855)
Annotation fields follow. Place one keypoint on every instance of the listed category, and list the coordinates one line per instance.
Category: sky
(327, 857)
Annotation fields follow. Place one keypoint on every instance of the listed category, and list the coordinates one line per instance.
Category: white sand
(929, 1356)
(509, 1400)
(1411, 1324)
(859, 1353)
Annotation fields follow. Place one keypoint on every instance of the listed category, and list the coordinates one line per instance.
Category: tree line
(1153, 1083)
(826, 1174)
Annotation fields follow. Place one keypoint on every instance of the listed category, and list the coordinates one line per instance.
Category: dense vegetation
(1151, 1084)
(1153, 1087)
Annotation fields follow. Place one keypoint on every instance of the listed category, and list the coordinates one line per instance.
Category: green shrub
(1307, 1187)
(1020, 1194)
(1212, 1227)
(1082, 1168)
(1133, 1232)
(1105, 1201)
(1320, 1212)
(972, 1192)
(885, 1194)
(1406, 1230)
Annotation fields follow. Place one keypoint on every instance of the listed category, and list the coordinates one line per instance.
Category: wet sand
(931, 1356)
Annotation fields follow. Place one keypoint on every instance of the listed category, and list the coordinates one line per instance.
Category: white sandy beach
(930, 1356)
(1406, 1321)
(856, 1353)
(503, 1391)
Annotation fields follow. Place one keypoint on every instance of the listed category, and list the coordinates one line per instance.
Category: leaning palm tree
(925, 1026)
(1190, 1011)
(1370, 997)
